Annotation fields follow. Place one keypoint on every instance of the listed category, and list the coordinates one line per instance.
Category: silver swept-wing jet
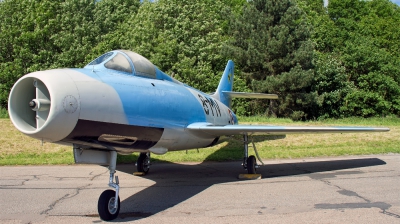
(122, 103)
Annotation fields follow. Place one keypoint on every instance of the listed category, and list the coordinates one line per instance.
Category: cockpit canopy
(125, 61)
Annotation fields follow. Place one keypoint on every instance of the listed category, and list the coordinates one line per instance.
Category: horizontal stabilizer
(214, 131)
(250, 95)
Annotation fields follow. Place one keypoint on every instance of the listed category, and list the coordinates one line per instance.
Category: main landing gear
(109, 201)
(250, 162)
(143, 163)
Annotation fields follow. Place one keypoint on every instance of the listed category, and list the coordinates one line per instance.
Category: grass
(3, 113)
(390, 120)
(18, 149)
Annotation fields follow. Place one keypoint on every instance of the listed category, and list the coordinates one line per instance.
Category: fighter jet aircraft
(122, 103)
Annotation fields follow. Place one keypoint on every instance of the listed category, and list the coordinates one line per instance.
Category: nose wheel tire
(251, 165)
(105, 206)
(143, 163)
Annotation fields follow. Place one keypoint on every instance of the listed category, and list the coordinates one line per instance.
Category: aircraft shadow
(175, 183)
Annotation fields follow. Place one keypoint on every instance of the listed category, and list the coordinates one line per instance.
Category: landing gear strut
(109, 201)
(250, 162)
(143, 162)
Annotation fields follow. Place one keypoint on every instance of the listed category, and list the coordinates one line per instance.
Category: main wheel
(105, 206)
(143, 163)
(251, 165)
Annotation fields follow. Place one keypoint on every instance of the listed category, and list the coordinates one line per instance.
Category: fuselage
(108, 107)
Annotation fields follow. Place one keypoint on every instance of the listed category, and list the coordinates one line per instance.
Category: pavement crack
(345, 192)
(66, 196)
(352, 194)
(390, 214)
(327, 182)
(95, 176)
(35, 177)
(367, 204)
(52, 205)
(23, 182)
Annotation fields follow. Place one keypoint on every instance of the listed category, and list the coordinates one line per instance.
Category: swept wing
(213, 130)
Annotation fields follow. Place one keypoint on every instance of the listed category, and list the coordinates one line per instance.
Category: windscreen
(100, 59)
(120, 63)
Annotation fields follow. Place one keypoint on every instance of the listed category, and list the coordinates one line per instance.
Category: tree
(357, 58)
(331, 85)
(370, 55)
(25, 45)
(183, 39)
(42, 34)
(271, 45)
(110, 16)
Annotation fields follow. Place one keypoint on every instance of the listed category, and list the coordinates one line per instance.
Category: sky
(397, 2)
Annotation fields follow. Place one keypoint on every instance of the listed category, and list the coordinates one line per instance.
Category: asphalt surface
(362, 189)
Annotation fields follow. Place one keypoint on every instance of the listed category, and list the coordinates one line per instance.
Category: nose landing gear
(109, 202)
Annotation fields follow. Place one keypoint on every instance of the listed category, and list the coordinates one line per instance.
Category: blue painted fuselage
(152, 102)
(120, 101)
(156, 105)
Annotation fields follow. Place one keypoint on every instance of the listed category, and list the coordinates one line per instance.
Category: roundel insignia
(70, 104)
(231, 119)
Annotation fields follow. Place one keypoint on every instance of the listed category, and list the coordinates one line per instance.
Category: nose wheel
(106, 205)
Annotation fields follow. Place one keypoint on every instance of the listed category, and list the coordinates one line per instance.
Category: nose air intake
(30, 104)
(45, 104)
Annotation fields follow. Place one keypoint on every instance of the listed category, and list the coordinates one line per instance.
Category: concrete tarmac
(362, 189)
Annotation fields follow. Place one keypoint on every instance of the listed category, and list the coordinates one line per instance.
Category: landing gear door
(91, 156)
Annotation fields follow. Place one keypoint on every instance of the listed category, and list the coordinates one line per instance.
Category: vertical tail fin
(225, 85)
